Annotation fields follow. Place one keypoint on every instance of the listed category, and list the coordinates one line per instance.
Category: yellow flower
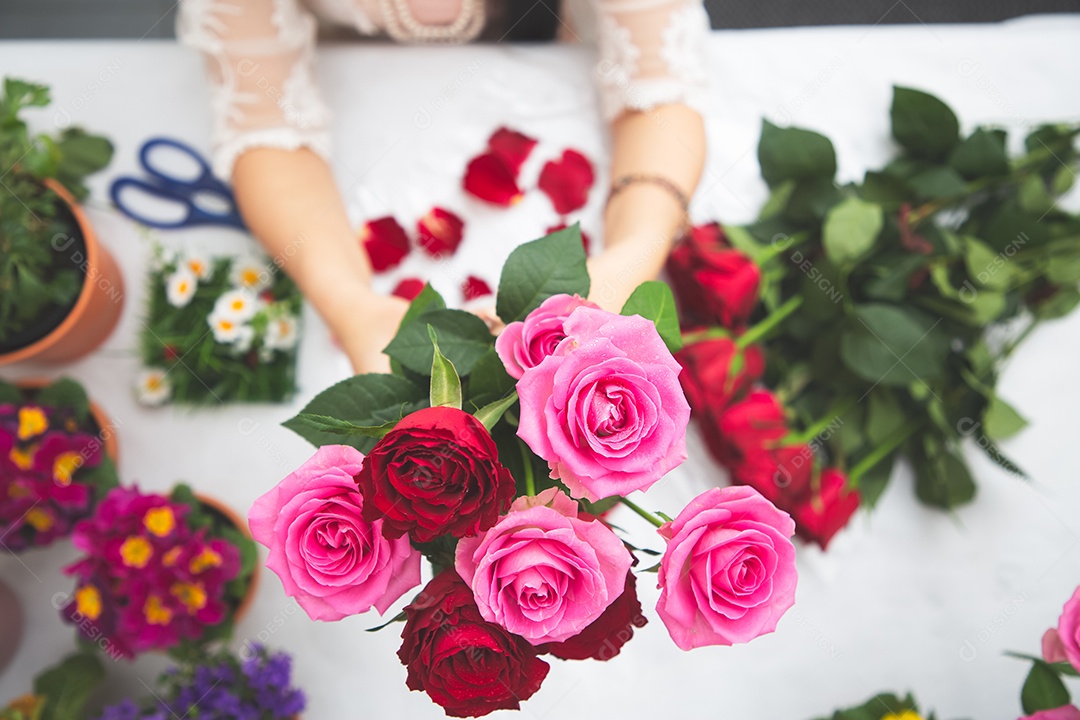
(65, 466)
(191, 595)
(88, 602)
(25, 706)
(906, 715)
(136, 552)
(32, 422)
(208, 558)
(159, 521)
(39, 519)
(155, 612)
(22, 459)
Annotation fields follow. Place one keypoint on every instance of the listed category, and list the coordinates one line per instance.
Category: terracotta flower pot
(97, 307)
(106, 431)
(240, 524)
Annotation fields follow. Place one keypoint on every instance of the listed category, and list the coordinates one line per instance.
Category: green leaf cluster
(907, 281)
(39, 282)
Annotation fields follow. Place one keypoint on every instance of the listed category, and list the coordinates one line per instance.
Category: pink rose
(606, 410)
(1053, 651)
(1069, 629)
(542, 572)
(728, 573)
(524, 344)
(328, 557)
(1065, 712)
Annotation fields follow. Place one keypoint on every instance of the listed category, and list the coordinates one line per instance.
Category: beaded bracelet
(627, 180)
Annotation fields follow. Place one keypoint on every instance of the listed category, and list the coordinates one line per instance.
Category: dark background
(154, 18)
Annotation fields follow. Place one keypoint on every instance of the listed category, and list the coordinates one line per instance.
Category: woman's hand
(369, 328)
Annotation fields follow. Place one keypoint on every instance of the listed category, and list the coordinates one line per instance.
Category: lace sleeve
(260, 63)
(652, 52)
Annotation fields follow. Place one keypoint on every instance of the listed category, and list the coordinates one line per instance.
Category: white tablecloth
(907, 598)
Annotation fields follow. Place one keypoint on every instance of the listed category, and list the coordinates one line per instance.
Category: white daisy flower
(239, 305)
(200, 265)
(180, 287)
(245, 335)
(250, 272)
(226, 330)
(282, 332)
(153, 387)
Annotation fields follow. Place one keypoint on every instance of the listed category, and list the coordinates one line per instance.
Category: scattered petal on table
(490, 179)
(567, 181)
(439, 232)
(409, 288)
(385, 241)
(475, 287)
(512, 147)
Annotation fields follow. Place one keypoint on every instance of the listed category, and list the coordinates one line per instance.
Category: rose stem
(777, 316)
(823, 423)
(642, 512)
(883, 450)
(530, 481)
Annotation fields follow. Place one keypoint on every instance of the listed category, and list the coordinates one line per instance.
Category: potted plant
(60, 692)
(57, 460)
(60, 291)
(220, 686)
(159, 572)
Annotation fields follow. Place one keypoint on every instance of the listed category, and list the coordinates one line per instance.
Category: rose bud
(747, 426)
(716, 372)
(781, 474)
(713, 283)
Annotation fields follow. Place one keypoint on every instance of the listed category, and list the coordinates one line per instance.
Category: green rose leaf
(851, 228)
(893, 345)
(463, 338)
(923, 124)
(942, 480)
(489, 380)
(68, 686)
(653, 300)
(1043, 689)
(361, 401)
(794, 154)
(938, 182)
(986, 267)
(982, 154)
(428, 300)
(333, 426)
(490, 414)
(1001, 420)
(552, 265)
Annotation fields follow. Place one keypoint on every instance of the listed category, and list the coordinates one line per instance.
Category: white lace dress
(260, 60)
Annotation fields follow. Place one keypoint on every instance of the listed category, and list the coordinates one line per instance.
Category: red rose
(605, 636)
(782, 474)
(748, 426)
(713, 282)
(436, 473)
(465, 664)
(828, 510)
(716, 372)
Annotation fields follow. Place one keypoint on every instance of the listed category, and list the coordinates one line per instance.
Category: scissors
(192, 194)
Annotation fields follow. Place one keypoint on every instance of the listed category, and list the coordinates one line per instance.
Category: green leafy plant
(885, 706)
(903, 295)
(38, 285)
(60, 692)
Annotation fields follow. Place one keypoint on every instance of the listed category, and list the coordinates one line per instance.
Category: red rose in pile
(439, 232)
(748, 426)
(492, 175)
(716, 372)
(437, 472)
(781, 474)
(714, 283)
(604, 638)
(465, 664)
(385, 242)
(828, 510)
(566, 181)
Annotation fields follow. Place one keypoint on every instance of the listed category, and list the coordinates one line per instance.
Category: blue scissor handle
(185, 191)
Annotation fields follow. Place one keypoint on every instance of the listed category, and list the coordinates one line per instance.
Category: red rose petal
(567, 181)
(489, 178)
(474, 287)
(440, 232)
(584, 236)
(409, 288)
(385, 241)
(512, 146)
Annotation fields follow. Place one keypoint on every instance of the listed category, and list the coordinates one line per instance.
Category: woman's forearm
(291, 203)
(642, 220)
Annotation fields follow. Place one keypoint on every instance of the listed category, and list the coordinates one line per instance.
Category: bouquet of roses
(157, 573)
(53, 464)
(219, 329)
(220, 686)
(493, 459)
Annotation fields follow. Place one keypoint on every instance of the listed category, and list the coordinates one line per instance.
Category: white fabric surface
(907, 598)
